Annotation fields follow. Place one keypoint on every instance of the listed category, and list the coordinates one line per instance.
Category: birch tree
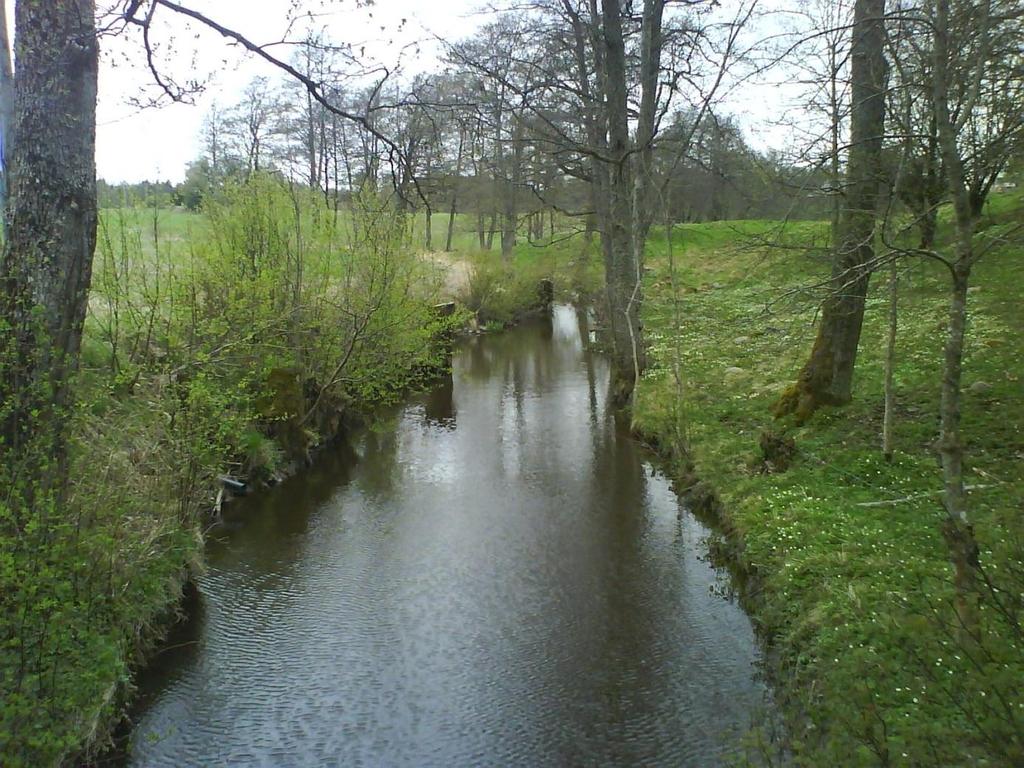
(977, 92)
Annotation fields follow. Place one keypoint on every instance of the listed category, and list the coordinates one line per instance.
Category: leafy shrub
(184, 331)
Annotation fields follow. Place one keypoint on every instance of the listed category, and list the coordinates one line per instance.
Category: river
(496, 575)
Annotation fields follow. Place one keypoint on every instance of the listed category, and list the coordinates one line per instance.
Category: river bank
(336, 422)
(495, 575)
(852, 582)
(294, 422)
(231, 344)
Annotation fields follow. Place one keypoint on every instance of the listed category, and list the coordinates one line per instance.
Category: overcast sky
(158, 143)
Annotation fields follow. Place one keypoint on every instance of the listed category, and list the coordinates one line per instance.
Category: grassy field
(851, 584)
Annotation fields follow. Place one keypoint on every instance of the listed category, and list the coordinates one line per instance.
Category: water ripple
(500, 580)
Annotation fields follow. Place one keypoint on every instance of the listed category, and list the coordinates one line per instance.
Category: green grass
(194, 363)
(854, 599)
(172, 224)
(500, 290)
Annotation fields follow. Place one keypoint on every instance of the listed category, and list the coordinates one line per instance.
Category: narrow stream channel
(497, 577)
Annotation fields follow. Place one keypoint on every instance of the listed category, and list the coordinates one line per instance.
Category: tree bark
(47, 257)
(510, 214)
(621, 267)
(6, 106)
(957, 528)
(428, 214)
(827, 376)
(890, 363)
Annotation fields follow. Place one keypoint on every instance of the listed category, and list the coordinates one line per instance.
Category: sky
(158, 142)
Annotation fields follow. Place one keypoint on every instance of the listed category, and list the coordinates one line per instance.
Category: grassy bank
(853, 586)
(500, 291)
(229, 343)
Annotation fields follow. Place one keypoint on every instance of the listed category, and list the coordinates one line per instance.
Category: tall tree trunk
(6, 106)
(827, 376)
(491, 229)
(890, 363)
(451, 224)
(835, 125)
(510, 214)
(957, 528)
(932, 193)
(621, 267)
(325, 162)
(428, 214)
(455, 191)
(51, 233)
(311, 148)
(650, 67)
(594, 113)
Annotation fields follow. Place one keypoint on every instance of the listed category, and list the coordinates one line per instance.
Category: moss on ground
(853, 594)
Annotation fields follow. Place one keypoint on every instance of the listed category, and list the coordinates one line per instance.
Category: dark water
(497, 578)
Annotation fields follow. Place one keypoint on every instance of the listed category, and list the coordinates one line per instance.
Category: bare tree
(817, 51)
(600, 79)
(214, 138)
(976, 93)
(254, 125)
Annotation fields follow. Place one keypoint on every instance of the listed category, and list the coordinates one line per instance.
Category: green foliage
(855, 599)
(495, 293)
(189, 319)
(498, 292)
(82, 579)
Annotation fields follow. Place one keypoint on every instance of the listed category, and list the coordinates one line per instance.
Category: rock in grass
(732, 370)
(741, 340)
(980, 388)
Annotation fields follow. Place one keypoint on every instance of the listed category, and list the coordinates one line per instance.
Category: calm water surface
(497, 577)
